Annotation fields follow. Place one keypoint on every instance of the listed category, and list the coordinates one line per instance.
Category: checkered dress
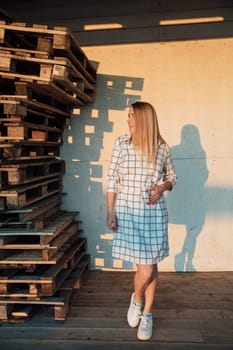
(142, 235)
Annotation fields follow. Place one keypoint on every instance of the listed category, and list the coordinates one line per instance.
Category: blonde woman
(141, 170)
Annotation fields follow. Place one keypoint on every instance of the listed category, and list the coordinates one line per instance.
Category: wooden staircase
(191, 311)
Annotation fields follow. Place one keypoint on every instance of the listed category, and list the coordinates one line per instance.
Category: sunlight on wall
(117, 264)
(90, 129)
(108, 236)
(87, 141)
(95, 113)
(191, 20)
(102, 26)
(99, 262)
(76, 111)
(70, 139)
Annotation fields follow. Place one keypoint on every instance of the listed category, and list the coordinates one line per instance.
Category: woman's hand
(157, 191)
(111, 216)
(112, 222)
(155, 194)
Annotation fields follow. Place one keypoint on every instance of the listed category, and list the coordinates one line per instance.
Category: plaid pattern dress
(142, 234)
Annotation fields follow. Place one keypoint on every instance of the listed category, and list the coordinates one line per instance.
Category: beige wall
(191, 85)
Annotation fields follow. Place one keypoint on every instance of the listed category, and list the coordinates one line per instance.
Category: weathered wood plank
(168, 281)
(201, 302)
(176, 335)
(110, 311)
(59, 40)
(42, 282)
(161, 319)
(58, 69)
(225, 336)
(21, 196)
(52, 229)
(22, 173)
(33, 103)
(185, 317)
(29, 150)
(103, 345)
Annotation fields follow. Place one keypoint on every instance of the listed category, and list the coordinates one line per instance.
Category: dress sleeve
(169, 172)
(113, 178)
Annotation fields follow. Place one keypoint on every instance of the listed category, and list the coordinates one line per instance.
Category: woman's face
(131, 120)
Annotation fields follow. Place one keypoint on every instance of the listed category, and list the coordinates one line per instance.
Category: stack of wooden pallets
(44, 74)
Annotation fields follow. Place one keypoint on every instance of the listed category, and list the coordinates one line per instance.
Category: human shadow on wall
(187, 202)
(83, 145)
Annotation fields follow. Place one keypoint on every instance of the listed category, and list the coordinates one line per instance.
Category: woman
(140, 171)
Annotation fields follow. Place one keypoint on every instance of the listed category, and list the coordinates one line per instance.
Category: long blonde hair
(147, 136)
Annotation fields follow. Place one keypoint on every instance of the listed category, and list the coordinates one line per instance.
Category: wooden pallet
(23, 173)
(66, 89)
(41, 99)
(25, 248)
(24, 118)
(22, 196)
(58, 70)
(62, 74)
(38, 223)
(38, 118)
(35, 103)
(69, 94)
(58, 42)
(29, 150)
(17, 111)
(60, 301)
(52, 229)
(24, 52)
(45, 280)
(32, 132)
(12, 107)
(34, 217)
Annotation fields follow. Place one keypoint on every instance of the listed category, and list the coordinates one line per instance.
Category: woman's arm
(112, 186)
(169, 171)
(111, 216)
(169, 179)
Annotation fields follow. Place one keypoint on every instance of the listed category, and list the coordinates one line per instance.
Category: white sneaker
(145, 328)
(134, 313)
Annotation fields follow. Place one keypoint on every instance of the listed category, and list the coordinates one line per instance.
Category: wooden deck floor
(191, 311)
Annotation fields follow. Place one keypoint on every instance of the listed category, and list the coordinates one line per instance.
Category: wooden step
(191, 311)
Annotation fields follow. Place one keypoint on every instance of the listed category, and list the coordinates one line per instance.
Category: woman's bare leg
(145, 283)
